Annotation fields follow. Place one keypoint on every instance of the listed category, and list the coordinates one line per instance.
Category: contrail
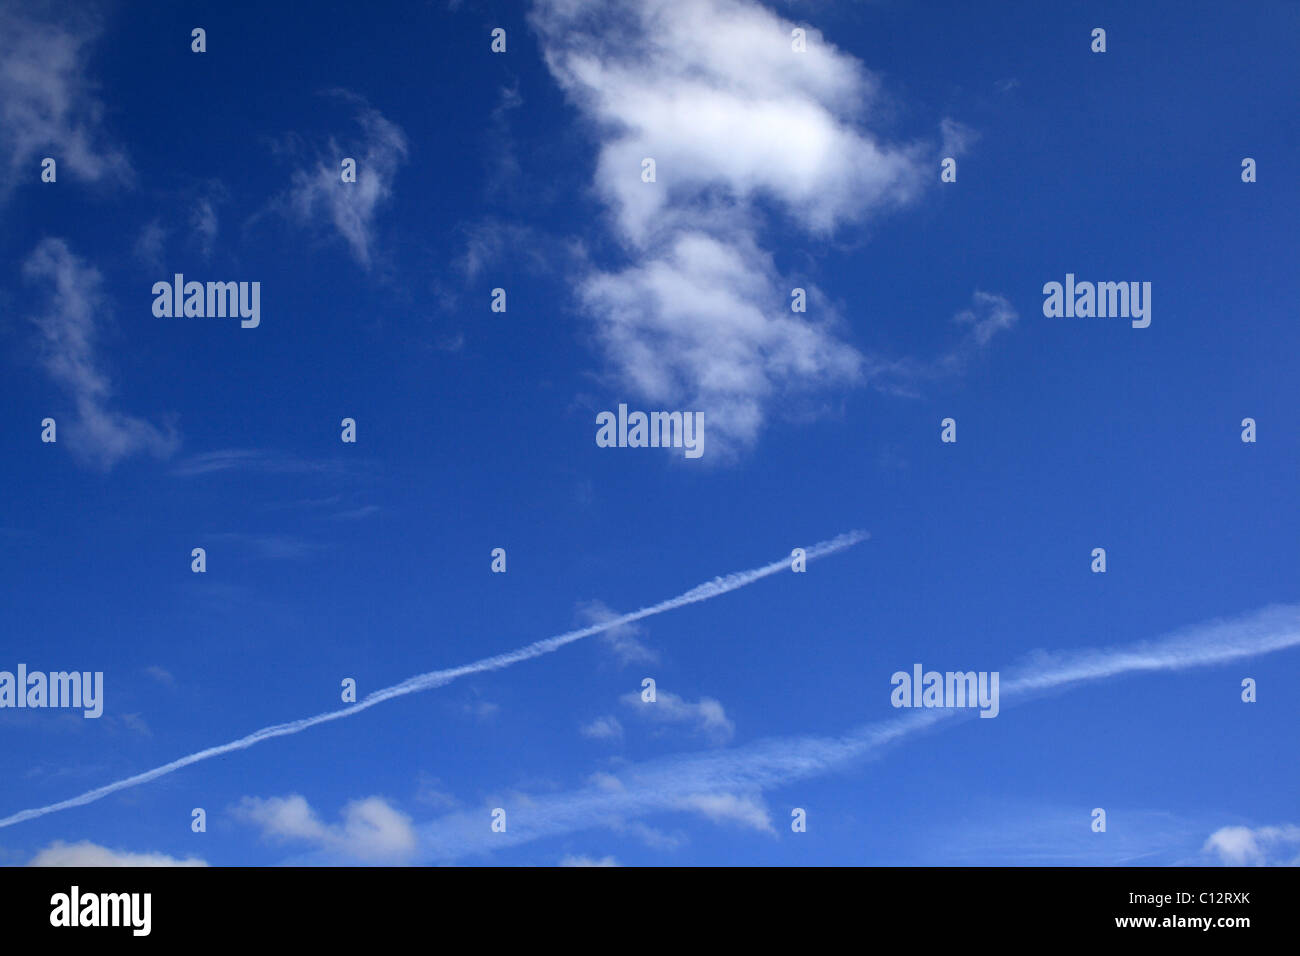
(670, 784)
(704, 592)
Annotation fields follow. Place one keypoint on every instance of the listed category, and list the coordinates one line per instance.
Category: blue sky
(476, 429)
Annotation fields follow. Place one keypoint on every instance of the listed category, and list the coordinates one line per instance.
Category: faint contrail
(710, 589)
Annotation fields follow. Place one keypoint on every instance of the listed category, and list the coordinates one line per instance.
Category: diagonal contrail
(710, 589)
(668, 784)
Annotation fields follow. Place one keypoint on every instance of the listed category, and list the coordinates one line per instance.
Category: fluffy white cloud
(47, 105)
(68, 333)
(1262, 846)
(371, 829)
(706, 325)
(86, 853)
(741, 128)
(712, 90)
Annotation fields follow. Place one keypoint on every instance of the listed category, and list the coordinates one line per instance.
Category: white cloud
(747, 811)
(318, 196)
(602, 728)
(588, 861)
(161, 675)
(68, 330)
(203, 221)
(86, 853)
(988, 315)
(356, 514)
(371, 829)
(480, 709)
(652, 837)
(428, 681)
(706, 716)
(713, 92)
(430, 792)
(149, 246)
(47, 105)
(605, 781)
(137, 723)
(705, 325)
(275, 547)
(623, 640)
(257, 460)
(956, 137)
(676, 783)
(1262, 846)
(490, 242)
(741, 129)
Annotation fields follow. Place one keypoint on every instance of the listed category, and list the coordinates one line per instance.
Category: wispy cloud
(257, 460)
(161, 675)
(677, 783)
(270, 546)
(69, 352)
(1015, 832)
(205, 225)
(602, 728)
(356, 514)
(149, 245)
(987, 315)
(48, 106)
(746, 811)
(198, 229)
(706, 716)
(318, 196)
(624, 641)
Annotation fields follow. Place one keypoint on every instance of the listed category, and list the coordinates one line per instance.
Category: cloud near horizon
(86, 853)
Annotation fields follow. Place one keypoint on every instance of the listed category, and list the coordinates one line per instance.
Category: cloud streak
(69, 353)
(422, 682)
(737, 776)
